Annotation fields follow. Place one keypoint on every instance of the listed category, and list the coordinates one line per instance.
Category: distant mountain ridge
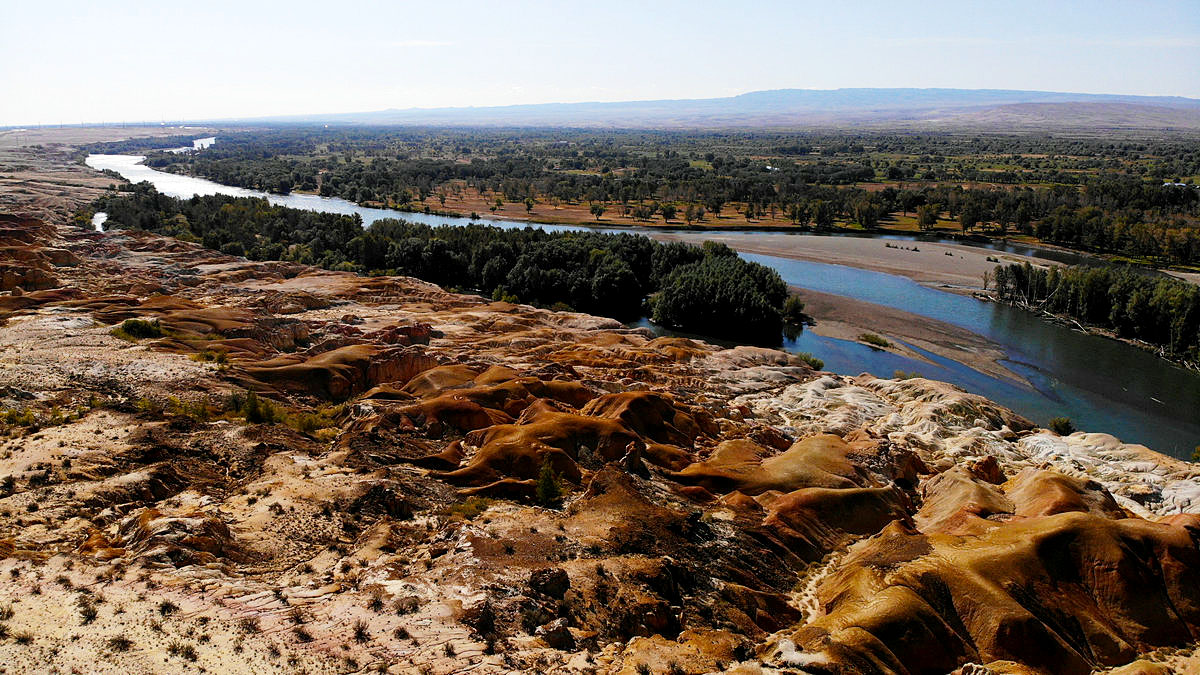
(917, 108)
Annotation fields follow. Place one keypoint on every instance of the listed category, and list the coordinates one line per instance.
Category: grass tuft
(361, 632)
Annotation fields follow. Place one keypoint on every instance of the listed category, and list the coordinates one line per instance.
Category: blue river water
(1101, 384)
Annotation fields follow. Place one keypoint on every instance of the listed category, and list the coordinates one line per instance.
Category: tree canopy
(706, 290)
(1155, 308)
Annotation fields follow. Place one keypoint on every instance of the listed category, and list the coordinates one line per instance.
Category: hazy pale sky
(67, 62)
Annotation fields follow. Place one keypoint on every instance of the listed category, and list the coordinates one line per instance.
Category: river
(198, 144)
(1101, 384)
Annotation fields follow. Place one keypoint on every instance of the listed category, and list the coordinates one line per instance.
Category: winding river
(1101, 384)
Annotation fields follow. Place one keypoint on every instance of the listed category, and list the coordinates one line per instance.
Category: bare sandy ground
(953, 267)
(15, 138)
(1190, 277)
(39, 177)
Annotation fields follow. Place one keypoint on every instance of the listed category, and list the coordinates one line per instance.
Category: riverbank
(1090, 329)
(967, 273)
(457, 199)
(952, 267)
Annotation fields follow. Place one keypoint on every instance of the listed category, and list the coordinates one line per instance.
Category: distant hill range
(947, 109)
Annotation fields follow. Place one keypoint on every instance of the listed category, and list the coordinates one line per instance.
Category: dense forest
(1160, 310)
(1104, 195)
(700, 289)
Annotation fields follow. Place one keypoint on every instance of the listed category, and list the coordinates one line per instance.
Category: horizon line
(274, 116)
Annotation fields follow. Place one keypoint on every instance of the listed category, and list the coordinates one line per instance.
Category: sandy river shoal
(845, 318)
(953, 267)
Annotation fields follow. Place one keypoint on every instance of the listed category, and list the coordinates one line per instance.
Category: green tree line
(1161, 310)
(700, 289)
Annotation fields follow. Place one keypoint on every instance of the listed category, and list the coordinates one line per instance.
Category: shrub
(470, 508)
(182, 650)
(793, 311)
(812, 361)
(502, 295)
(361, 634)
(375, 604)
(258, 411)
(1062, 426)
(532, 617)
(24, 418)
(549, 489)
(211, 356)
(874, 340)
(196, 410)
(148, 405)
(137, 329)
(310, 423)
(407, 605)
(88, 612)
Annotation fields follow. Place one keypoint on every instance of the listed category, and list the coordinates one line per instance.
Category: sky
(87, 61)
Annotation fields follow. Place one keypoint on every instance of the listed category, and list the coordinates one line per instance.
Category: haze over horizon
(79, 62)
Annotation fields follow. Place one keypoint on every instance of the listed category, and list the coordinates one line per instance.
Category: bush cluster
(138, 329)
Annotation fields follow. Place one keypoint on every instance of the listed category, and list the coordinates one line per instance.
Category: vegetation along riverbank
(705, 289)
